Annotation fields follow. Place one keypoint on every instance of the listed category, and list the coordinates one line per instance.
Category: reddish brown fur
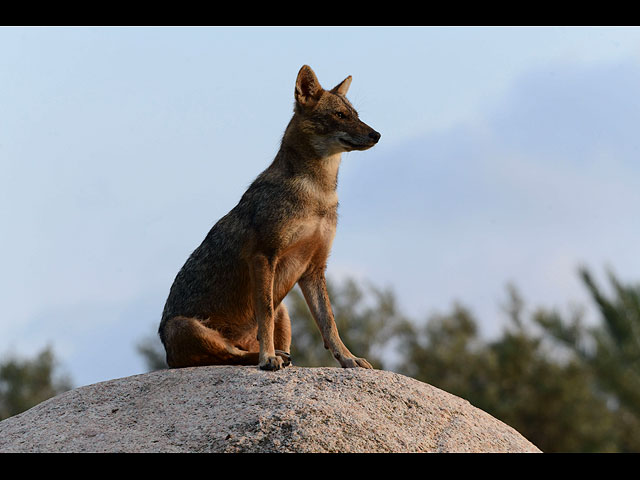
(225, 305)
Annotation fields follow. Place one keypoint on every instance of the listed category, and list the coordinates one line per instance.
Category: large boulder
(244, 409)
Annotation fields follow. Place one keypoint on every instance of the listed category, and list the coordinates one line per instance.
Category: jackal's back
(212, 273)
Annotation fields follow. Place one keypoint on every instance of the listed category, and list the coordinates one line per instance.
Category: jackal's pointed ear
(308, 89)
(342, 87)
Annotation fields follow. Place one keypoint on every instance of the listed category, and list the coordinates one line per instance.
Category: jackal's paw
(354, 362)
(286, 357)
(272, 363)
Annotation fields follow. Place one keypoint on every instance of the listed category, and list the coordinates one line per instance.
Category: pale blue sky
(507, 154)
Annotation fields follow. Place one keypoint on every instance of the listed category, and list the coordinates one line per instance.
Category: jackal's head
(328, 118)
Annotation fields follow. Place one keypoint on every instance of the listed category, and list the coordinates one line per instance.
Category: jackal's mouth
(356, 146)
(348, 143)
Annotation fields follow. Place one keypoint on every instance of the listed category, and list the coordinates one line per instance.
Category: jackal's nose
(375, 136)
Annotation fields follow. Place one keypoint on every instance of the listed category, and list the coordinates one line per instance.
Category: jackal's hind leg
(189, 343)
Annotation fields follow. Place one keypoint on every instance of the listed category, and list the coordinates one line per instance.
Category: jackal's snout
(372, 138)
(362, 138)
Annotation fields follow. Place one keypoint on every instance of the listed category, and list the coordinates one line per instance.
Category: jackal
(225, 305)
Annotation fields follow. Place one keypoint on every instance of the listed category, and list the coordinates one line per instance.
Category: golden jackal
(225, 305)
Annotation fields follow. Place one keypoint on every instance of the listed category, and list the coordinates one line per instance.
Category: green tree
(26, 382)
(610, 350)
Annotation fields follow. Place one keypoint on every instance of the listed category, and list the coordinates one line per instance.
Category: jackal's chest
(307, 236)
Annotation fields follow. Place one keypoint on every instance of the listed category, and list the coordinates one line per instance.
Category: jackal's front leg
(262, 279)
(314, 289)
